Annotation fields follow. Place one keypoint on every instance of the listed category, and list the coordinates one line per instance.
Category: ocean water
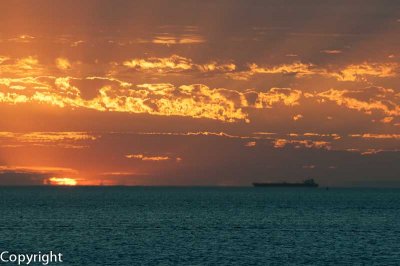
(203, 226)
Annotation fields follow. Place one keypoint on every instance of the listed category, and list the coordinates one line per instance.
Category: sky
(199, 93)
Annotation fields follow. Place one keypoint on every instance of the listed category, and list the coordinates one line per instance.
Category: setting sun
(62, 181)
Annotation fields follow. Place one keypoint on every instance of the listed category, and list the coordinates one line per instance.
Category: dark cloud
(17, 178)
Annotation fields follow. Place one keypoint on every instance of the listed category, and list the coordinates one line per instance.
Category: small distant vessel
(307, 183)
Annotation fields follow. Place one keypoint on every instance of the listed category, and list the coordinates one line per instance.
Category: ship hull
(275, 185)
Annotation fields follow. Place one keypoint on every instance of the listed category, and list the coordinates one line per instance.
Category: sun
(62, 181)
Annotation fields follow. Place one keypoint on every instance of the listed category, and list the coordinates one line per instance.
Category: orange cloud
(250, 144)
(172, 40)
(21, 67)
(147, 158)
(297, 117)
(356, 72)
(3, 59)
(71, 140)
(387, 119)
(63, 63)
(379, 100)
(331, 51)
(214, 66)
(353, 72)
(27, 63)
(176, 63)
(200, 133)
(296, 68)
(286, 96)
(281, 143)
(196, 100)
(329, 135)
(376, 136)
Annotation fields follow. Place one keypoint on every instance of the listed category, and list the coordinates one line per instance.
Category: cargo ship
(306, 183)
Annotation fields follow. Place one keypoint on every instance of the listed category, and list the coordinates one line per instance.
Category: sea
(203, 225)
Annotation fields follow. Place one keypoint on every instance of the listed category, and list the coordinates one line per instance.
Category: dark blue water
(203, 226)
